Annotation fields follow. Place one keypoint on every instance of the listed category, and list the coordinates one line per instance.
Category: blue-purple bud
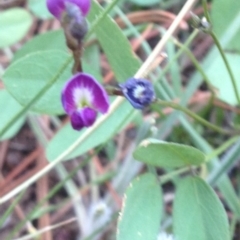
(74, 22)
(139, 92)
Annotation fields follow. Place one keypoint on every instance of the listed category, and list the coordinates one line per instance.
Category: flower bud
(201, 24)
(139, 92)
(75, 22)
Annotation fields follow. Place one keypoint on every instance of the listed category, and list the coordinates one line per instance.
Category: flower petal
(83, 118)
(86, 84)
(57, 7)
(76, 120)
(88, 116)
(139, 92)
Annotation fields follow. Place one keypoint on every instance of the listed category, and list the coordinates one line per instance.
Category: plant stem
(205, 9)
(11, 208)
(222, 148)
(180, 51)
(196, 63)
(195, 116)
(212, 34)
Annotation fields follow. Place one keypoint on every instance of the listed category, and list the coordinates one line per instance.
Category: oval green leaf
(142, 210)
(53, 40)
(8, 108)
(27, 76)
(198, 213)
(14, 24)
(164, 154)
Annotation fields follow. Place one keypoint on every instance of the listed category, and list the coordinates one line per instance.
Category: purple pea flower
(58, 7)
(82, 98)
(139, 92)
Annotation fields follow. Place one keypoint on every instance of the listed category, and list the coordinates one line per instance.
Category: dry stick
(119, 100)
(42, 191)
(3, 151)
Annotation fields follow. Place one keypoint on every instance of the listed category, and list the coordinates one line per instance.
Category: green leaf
(142, 210)
(223, 13)
(8, 108)
(53, 40)
(219, 77)
(27, 76)
(145, 3)
(164, 154)
(115, 45)
(14, 24)
(198, 213)
(67, 136)
(39, 8)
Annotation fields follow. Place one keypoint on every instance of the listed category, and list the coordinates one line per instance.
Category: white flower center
(82, 97)
(138, 91)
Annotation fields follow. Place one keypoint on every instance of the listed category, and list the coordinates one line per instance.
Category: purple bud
(58, 7)
(139, 92)
(82, 98)
(75, 21)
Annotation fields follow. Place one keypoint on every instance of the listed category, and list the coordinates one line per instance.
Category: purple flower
(58, 7)
(139, 92)
(82, 98)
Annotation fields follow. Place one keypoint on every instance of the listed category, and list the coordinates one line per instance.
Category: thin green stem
(180, 51)
(169, 176)
(222, 148)
(233, 226)
(36, 98)
(196, 63)
(226, 64)
(195, 116)
(10, 209)
(205, 9)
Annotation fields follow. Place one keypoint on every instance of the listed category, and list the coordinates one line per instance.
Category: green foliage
(14, 24)
(8, 108)
(165, 154)
(219, 77)
(142, 210)
(43, 65)
(223, 13)
(31, 73)
(198, 213)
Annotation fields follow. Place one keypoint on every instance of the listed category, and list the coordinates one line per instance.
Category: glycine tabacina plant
(61, 73)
